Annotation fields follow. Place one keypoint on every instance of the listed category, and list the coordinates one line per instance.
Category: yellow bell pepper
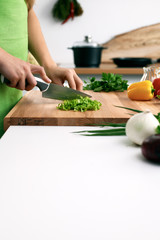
(141, 90)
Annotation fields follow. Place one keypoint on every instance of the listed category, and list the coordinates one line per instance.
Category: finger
(70, 79)
(21, 84)
(57, 81)
(40, 70)
(71, 82)
(31, 82)
(12, 83)
(79, 83)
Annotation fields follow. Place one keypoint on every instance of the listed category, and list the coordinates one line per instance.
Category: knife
(54, 91)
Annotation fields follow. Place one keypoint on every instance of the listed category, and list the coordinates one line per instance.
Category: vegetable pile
(143, 129)
(109, 82)
(116, 129)
(80, 104)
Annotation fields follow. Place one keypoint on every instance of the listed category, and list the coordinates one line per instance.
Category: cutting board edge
(60, 122)
(8, 117)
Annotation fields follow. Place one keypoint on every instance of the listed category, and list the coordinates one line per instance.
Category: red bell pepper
(156, 85)
(158, 94)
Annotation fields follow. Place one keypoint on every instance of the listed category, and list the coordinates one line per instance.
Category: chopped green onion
(80, 104)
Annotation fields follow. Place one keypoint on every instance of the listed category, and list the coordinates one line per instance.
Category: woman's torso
(14, 40)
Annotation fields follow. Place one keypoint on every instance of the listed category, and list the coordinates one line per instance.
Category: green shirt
(14, 40)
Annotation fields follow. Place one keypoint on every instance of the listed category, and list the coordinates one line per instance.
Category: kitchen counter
(109, 68)
(56, 184)
(105, 67)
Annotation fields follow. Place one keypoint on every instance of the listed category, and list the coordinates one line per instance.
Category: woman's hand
(58, 76)
(18, 72)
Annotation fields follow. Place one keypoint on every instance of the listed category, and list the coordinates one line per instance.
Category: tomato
(156, 85)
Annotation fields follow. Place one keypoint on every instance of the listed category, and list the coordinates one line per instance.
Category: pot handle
(70, 48)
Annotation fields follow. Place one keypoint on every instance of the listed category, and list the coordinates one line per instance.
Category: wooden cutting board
(140, 42)
(32, 109)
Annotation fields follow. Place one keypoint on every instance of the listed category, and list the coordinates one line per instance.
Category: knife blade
(58, 92)
(55, 91)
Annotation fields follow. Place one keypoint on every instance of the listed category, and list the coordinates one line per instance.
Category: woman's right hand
(18, 72)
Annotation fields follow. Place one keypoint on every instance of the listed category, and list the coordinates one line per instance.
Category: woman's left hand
(58, 76)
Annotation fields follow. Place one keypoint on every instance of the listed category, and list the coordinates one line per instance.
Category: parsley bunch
(109, 82)
(80, 104)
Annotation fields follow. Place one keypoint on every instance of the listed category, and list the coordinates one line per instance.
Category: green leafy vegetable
(81, 104)
(109, 82)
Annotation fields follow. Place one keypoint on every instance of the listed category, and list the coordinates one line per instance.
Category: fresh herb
(109, 82)
(80, 104)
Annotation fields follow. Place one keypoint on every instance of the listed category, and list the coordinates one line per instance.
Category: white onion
(140, 126)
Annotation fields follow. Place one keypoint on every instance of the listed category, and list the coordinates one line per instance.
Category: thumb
(40, 70)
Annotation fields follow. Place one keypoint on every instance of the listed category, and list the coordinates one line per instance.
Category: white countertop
(55, 184)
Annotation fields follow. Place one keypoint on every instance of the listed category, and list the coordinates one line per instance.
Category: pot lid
(87, 42)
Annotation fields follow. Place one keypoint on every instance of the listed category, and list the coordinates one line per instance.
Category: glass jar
(150, 73)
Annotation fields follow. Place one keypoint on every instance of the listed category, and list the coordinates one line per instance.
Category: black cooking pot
(87, 53)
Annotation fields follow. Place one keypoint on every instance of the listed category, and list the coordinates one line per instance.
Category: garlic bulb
(140, 126)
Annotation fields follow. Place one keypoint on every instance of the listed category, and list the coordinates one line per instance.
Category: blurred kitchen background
(103, 20)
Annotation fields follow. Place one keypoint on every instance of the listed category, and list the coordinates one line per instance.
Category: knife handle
(41, 85)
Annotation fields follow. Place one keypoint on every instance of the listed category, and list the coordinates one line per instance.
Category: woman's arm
(36, 41)
(39, 49)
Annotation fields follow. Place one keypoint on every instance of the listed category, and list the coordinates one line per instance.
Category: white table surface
(57, 185)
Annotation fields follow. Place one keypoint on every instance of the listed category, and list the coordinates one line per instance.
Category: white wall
(103, 19)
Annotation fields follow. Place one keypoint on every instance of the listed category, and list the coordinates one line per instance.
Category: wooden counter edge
(127, 71)
(8, 117)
